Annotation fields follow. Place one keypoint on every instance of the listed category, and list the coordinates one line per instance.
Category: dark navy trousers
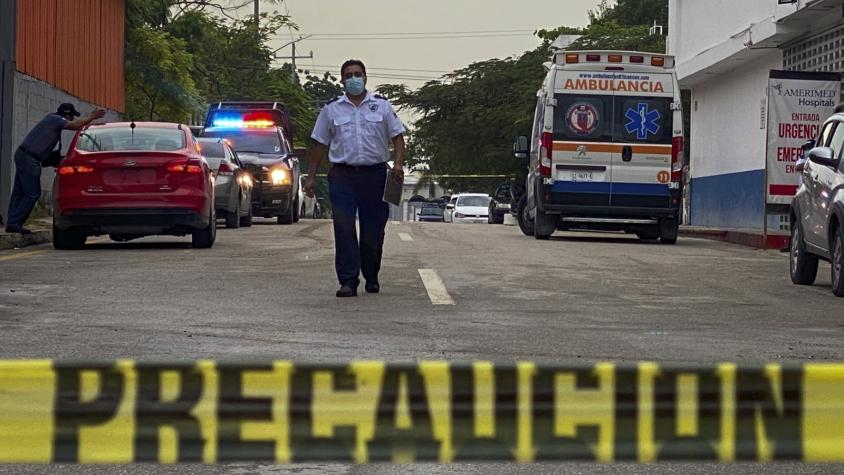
(26, 190)
(358, 191)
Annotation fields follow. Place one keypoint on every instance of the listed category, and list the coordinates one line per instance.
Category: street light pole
(257, 11)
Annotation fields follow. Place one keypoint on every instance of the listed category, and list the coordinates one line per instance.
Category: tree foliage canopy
(182, 55)
(468, 120)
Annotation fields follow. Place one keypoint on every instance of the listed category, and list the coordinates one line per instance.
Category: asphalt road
(268, 292)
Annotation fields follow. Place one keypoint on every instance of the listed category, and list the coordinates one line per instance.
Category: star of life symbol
(642, 121)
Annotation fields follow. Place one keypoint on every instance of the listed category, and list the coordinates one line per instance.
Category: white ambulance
(606, 148)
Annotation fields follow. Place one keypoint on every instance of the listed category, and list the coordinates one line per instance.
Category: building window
(822, 52)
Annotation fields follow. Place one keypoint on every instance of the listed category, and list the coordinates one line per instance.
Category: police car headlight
(245, 180)
(459, 215)
(279, 177)
(504, 205)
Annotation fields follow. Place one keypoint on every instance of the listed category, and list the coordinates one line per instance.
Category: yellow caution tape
(279, 411)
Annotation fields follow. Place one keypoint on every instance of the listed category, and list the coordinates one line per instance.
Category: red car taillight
(71, 169)
(184, 167)
(225, 170)
(676, 159)
(546, 149)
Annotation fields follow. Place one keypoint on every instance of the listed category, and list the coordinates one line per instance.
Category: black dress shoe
(373, 287)
(15, 229)
(347, 291)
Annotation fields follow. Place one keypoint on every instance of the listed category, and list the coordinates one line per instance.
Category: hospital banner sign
(798, 104)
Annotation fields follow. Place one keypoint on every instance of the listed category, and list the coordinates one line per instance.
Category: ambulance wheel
(669, 229)
(544, 225)
(522, 216)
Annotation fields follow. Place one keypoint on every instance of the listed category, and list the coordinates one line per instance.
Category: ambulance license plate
(583, 176)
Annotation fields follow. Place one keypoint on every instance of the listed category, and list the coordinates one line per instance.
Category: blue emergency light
(248, 120)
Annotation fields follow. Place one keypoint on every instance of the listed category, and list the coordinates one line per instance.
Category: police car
(258, 132)
(606, 148)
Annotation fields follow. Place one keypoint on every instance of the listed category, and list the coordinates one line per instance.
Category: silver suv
(817, 211)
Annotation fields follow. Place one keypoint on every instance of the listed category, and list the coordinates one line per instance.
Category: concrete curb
(14, 241)
(749, 238)
(42, 231)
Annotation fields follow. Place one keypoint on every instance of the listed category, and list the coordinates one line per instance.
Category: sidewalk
(42, 231)
(744, 237)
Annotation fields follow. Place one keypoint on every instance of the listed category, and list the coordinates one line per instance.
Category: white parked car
(449, 210)
(471, 208)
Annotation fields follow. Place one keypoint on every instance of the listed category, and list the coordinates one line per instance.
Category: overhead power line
(398, 38)
(388, 73)
(373, 68)
(385, 75)
(400, 33)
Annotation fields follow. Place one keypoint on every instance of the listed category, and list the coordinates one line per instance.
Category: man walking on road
(357, 128)
(41, 147)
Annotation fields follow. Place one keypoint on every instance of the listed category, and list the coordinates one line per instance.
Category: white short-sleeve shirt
(358, 135)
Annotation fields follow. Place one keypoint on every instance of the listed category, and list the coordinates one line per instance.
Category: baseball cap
(67, 108)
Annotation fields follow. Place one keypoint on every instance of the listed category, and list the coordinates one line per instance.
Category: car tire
(233, 218)
(838, 262)
(525, 223)
(68, 239)
(802, 265)
(204, 238)
(246, 221)
(287, 216)
(669, 229)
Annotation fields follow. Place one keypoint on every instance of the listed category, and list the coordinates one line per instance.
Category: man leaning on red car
(41, 147)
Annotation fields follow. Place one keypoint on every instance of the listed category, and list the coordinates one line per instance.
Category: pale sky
(364, 18)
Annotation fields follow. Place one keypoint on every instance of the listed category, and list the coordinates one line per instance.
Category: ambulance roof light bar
(576, 57)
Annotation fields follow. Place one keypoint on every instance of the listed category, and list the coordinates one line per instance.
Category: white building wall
(724, 50)
(727, 135)
(697, 25)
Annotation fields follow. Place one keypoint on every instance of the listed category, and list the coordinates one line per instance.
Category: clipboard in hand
(393, 188)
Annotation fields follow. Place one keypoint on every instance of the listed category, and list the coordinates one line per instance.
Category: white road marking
(405, 237)
(435, 287)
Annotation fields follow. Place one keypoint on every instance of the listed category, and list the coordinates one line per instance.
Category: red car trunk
(133, 172)
(136, 180)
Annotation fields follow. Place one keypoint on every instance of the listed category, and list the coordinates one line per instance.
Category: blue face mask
(355, 86)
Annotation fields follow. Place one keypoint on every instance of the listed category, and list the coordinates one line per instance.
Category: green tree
(322, 88)
(631, 12)
(159, 85)
(467, 121)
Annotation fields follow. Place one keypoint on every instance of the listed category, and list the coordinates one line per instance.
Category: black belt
(27, 152)
(359, 167)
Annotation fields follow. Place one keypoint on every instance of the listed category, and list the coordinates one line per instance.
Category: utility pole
(293, 76)
(257, 11)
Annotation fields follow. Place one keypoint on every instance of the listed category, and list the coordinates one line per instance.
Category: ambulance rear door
(642, 136)
(583, 132)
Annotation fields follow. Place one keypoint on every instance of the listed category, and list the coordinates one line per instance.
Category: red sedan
(133, 179)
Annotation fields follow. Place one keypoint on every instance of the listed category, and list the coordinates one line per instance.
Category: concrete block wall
(33, 99)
